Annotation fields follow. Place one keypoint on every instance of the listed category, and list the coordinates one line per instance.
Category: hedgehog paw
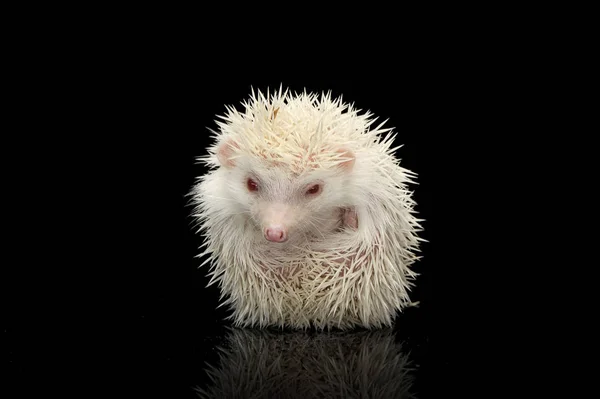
(350, 218)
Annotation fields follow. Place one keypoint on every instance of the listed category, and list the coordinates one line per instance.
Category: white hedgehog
(306, 215)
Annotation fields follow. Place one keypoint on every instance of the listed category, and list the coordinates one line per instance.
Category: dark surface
(151, 323)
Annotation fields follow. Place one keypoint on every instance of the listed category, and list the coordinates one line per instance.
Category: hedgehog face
(285, 205)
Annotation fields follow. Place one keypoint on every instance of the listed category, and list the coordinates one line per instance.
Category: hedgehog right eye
(252, 185)
(314, 189)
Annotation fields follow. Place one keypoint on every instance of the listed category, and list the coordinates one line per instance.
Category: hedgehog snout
(276, 233)
(277, 218)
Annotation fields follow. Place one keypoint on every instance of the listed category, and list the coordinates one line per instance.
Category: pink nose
(276, 234)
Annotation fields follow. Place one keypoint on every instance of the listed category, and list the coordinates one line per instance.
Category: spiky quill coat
(357, 275)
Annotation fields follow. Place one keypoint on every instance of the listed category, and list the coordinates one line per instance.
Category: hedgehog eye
(252, 185)
(314, 189)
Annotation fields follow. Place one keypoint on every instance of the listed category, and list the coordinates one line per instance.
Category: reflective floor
(208, 358)
(269, 364)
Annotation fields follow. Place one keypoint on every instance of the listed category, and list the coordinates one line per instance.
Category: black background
(136, 291)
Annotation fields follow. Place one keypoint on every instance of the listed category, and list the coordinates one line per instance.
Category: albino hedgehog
(306, 215)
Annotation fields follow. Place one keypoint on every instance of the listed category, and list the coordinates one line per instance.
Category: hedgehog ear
(225, 152)
(348, 157)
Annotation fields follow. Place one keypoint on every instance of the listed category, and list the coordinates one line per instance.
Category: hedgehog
(306, 214)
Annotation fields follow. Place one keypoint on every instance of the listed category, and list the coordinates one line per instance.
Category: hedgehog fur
(306, 213)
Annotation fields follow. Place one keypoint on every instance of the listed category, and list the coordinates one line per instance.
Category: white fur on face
(282, 198)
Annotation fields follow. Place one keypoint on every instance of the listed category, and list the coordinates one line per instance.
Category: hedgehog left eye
(252, 185)
(314, 189)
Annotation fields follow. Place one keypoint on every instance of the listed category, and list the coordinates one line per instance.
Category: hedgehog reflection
(263, 364)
